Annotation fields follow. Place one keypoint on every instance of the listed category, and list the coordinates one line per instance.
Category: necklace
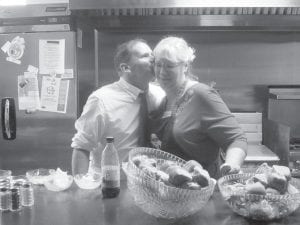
(173, 104)
(180, 91)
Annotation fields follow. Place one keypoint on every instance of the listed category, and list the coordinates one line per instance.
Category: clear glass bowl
(58, 184)
(38, 176)
(255, 206)
(88, 181)
(158, 199)
(5, 174)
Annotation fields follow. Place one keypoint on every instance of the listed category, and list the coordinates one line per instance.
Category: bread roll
(149, 169)
(191, 164)
(166, 164)
(178, 175)
(264, 168)
(262, 178)
(256, 188)
(138, 159)
(150, 161)
(272, 191)
(278, 182)
(201, 176)
(191, 186)
(291, 189)
(283, 170)
(162, 176)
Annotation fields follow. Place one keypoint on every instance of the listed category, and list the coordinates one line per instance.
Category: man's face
(141, 63)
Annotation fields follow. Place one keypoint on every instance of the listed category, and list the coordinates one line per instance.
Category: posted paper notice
(54, 94)
(52, 56)
(28, 92)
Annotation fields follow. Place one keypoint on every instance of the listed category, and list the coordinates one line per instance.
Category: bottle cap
(109, 139)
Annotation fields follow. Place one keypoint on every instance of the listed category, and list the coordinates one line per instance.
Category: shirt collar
(129, 88)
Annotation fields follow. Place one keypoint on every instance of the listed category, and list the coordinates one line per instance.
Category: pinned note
(52, 56)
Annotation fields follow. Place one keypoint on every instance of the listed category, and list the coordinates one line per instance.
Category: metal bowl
(158, 199)
(256, 206)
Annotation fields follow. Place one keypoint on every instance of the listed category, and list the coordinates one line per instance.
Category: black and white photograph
(150, 112)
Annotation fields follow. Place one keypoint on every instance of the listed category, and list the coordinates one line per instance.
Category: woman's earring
(186, 68)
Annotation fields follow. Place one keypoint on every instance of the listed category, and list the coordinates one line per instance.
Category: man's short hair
(124, 52)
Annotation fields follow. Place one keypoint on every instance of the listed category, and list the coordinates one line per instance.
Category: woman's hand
(227, 169)
(155, 142)
(233, 160)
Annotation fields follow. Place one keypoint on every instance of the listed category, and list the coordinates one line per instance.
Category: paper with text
(54, 94)
(52, 56)
(28, 92)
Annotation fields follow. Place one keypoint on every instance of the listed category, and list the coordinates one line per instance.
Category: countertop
(86, 207)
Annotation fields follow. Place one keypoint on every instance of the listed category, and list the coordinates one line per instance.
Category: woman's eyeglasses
(166, 66)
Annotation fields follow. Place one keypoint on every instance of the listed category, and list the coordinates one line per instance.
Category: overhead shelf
(284, 93)
(97, 4)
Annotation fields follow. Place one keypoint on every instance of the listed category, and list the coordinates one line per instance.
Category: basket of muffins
(268, 193)
(166, 186)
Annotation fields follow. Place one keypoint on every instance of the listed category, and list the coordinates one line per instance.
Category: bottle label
(111, 176)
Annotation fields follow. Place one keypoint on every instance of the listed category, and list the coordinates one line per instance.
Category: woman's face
(170, 75)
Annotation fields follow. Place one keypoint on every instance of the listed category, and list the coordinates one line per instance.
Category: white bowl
(88, 181)
(54, 184)
(38, 176)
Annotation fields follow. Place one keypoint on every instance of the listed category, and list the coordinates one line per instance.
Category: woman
(193, 122)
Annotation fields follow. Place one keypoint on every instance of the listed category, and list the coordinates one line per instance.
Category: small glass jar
(15, 203)
(5, 198)
(27, 196)
(4, 183)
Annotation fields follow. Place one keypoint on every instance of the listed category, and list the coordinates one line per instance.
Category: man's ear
(124, 67)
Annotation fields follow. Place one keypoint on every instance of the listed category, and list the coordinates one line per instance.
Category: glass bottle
(110, 167)
(27, 197)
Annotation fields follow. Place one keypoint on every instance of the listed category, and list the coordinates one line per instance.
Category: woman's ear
(124, 67)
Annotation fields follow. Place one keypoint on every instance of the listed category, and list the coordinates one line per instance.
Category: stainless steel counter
(81, 207)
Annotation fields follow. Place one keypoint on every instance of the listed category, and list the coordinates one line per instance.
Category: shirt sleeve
(219, 123)
(90, 125)
(155, 97)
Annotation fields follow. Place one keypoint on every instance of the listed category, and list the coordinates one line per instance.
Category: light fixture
(12, 2)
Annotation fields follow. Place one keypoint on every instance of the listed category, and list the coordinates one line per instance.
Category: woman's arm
(233, 160)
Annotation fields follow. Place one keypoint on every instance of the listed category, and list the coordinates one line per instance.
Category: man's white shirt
(113, 110)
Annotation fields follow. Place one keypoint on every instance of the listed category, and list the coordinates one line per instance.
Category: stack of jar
(14, 193)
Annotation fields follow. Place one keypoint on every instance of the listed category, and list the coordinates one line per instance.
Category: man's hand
(227, 169)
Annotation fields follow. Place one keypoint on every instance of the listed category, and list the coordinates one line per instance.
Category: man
(114, 109)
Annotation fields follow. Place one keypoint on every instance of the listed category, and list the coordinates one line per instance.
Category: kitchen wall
(242, 63)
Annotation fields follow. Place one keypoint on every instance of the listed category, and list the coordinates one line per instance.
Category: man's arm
(80, 161)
